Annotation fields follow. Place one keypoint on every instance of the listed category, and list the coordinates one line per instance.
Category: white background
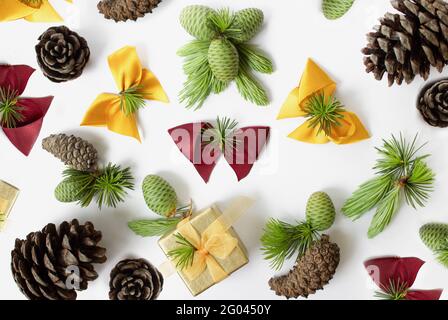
(281, 182)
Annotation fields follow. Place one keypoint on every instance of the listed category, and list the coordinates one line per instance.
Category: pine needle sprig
(281, 241)
(324, 113)
(419, 185)
(253, 57)
(386, 210)
(154, 228)
(221, 21)
(86, 180)
(198, 86)
(395, 291)
(249, 88)
(367, 196)
(111, 185)
(131, 100)
(193, 47)
(10, 111)
(398, 156)
(184, 253)
(222, 136)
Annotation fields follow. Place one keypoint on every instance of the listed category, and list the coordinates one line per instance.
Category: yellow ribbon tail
(307, 134)
(105, 111)
(197, 267)
(46, 13)
(151, 88)
(290, 108)
(351, 130)
(126, 67)
(14, 9)
(216, 271)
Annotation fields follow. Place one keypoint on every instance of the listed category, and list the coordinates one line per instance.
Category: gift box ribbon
(128, 73)
(214, 243)
(396, 271)
(38, 12)
(316, 81)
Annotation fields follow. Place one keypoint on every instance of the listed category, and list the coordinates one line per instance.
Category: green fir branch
(198, 86)
(221, 21)
(281, 241)
(194, 47)
(324, 113)
(86, 180)
(367, 196)
(131, 100)
(110, 186)
(386, 210)
(395, 291)
(184, 253)
(249, 88)
(253, 57)
(221, 136)
(10, 111)
(419, 185)
(154, 228)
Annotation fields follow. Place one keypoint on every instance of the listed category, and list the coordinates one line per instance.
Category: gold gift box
(237, 259)
(8, 196)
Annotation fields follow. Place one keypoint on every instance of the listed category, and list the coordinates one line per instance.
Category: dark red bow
(395, 276)
(23, 134)
(201, 146)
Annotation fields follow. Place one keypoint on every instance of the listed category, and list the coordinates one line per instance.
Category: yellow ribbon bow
(214, 242)
(107, 109)
(30, 10)
(316, 81)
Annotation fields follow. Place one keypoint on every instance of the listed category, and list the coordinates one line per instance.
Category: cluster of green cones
(220, 54)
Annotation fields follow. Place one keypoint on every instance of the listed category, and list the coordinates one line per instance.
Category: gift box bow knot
(117, 112)
(30, 10)
(327, 119)
(214, 243)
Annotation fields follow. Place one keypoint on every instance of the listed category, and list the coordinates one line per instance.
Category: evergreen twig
(10, 111)
(395, 291)
(153, 228)
(253, 57)
(184, 253)
(131, 100)
(281, 241)
(249, 88)
(324, 113)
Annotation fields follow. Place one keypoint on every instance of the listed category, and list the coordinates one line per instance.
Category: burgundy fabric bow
(193, 140)
(388, 272)
(24, 134)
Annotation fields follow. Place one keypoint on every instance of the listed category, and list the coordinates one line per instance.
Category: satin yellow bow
(214, 242)
(107, 109)
(316, 81)
(30, 10)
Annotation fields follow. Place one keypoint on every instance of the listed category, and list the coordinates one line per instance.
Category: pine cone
(312, 271)
(408, 44)
(433, 103)
(73, 151)
(123, 10)
(62, 54)
(51, 264)
(135, 279)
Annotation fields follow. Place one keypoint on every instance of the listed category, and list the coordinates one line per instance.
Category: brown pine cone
(433, 103)
(135, 279)
(51, 264)
(123, 10)
(62, 54)
(409, 43)
(312, 272)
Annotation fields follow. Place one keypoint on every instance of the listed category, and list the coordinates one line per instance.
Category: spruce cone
(73, 151)
(135, 279)
(51, 264)
(312, 271)
(433, 103)
(408, 44)
(62, 54)
(123, 10)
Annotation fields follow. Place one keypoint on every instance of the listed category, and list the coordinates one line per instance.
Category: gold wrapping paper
(8, 196)
(237, 259)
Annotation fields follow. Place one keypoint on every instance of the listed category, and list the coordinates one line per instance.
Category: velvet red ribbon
(385, 270)
(24, 135)
(251, 141)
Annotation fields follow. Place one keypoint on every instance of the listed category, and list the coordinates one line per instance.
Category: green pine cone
(248, 22)
(335, 9)
(223, 59)
(159, 195)
(67, 192)
(194, 19)
(320, 211)
(434, 235)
